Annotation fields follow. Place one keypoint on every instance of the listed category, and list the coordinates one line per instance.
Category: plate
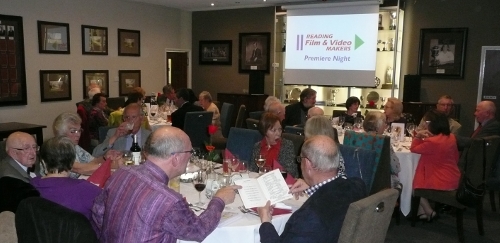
(373, 96)
(295, 94)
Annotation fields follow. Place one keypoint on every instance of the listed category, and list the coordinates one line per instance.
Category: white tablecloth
(245, 227)
(157, 123)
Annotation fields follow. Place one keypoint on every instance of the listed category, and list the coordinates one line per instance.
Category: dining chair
(240, 118)
(40, 220)
(7, 227)
(196, 127)
(103, 131)
(294, 130)
(13, 191)
(297, 141)
(368, 219)
(475, 162)
(359, 163)
(255, 114)
(252, 124)
(241, 141)
(115, 102)
(225, 118)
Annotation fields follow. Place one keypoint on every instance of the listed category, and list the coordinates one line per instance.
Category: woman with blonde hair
(393, 110)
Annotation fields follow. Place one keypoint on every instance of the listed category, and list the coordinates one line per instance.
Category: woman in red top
(438, 165)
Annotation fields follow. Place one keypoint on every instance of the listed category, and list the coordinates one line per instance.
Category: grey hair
(163, 146)
(318, 125)
(397, 106)
(374, 120)
(58, 154)
(60, 125)
(93, 91)
(324, 155)
(269, 100)
(206, 96)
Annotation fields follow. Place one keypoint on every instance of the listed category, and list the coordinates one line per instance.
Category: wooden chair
(482, 150)
(241, 116)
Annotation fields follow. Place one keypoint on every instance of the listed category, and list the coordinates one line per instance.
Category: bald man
(21, 149)
(278, 109)
(136, 204)
(488, 126)
(315, 111)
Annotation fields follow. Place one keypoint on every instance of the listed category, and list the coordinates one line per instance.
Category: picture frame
(442, 52)
(128, 80)
(94, 40)
(55, 85)
(129, 42)
(254, 52)
(488, 87)
(12, 62)
(99, 77)
(53, 38)
(215, 52)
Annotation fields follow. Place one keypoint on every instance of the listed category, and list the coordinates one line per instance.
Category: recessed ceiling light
(212, 4)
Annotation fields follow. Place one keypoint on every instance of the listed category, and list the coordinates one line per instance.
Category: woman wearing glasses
(278, 152)
(69, 125)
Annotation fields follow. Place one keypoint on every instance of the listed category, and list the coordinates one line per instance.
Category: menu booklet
(255, 192)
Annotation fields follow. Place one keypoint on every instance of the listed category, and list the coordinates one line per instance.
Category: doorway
(177, 69)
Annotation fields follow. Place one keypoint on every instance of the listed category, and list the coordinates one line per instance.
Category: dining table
(157, 122)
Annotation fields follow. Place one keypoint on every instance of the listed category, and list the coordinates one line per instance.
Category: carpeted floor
(444, 229)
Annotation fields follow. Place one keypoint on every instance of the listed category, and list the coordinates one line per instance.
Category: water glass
(127, 158)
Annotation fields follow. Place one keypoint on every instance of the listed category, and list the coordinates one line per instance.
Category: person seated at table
(184, 106)
(168, 96)
(148, 210)
(445, 105)
(320, 125)
(437, 168)
(278, 109)
(316, 111)
(116, 117)
(205, 100)
(352, 105)
(269, 100)
(21, 151)
(58, 156)
(488, 125)
(69, 125)
(121, 138)
(97, 117)
(278, 151)
(320, 218)
(193, 99)
(375, 123)
(295, 114)
(393, 110)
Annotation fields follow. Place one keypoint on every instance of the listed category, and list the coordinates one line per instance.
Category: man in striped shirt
(137, 206)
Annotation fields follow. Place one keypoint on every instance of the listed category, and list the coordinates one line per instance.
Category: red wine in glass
(199, 187)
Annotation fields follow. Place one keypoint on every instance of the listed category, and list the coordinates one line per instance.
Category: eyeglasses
(76, 131)
(299, 158)
(187, 151)
(27, 149)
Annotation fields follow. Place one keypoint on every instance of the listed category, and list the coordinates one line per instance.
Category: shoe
(433, 216)
(422, 217)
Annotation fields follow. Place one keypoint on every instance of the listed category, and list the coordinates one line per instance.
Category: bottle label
(136, 157)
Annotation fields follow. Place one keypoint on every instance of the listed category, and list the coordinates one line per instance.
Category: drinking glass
(266, 169)
(410, 127)
(243, 167)
(127, 158)
(260, 160)
(234, 163)
(348, 127)
(341, 120)
(199, 182)
(358, 123)
(130, 127)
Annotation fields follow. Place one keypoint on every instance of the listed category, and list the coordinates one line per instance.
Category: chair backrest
(226, 114)
(359, 163)
(196, 127)
(337, 113)
(367, 220)
(297, 141)
(381, 145)
(252, 124)
(255, 114)
(103, 131)
(294, 130)
(115, 102)
(241, 141)
(13, 191)
(7, 227)
(241, 116)
(481, 148)
(84, 141)
(40, 220)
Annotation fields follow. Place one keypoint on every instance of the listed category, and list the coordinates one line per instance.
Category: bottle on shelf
(136, 151)
(153, 109)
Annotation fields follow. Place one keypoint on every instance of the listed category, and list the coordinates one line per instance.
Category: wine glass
(341, 120)
(130, 127)
(410, 127)
(260, 160)
(243, 167)
(234, 163)
(199, 182)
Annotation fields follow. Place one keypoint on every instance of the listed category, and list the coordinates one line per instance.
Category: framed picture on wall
(55, 85)
(129, 42)
(12, 66)
(442, 52)
(95, 77)
(94, 40)
(217, 52)
(254, 52)
(53, 37)
(128, 80)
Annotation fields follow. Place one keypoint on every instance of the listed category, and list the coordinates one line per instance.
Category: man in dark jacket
(488, 126)
(185, 106)
(321, 217)
(296, 114)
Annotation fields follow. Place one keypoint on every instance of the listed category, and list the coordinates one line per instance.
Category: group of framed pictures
(54, 38)
(254, 52)
(55, 85)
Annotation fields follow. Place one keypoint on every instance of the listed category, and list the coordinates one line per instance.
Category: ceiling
(204, 5)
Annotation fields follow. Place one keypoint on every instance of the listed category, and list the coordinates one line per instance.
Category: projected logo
(328, 42)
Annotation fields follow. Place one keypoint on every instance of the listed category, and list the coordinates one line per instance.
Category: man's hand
(265, 213)
(227, 194)
(298, 188)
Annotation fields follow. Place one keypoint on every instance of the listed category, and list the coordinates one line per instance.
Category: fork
(245, 210)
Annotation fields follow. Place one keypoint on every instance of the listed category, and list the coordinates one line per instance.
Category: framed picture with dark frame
(128, 80)
(254, 52)
(216, 52)
(442, 52)
(53, 37)
(129, 42)
(96, 77)
(55, 85)
(12, 64)
(94, 40)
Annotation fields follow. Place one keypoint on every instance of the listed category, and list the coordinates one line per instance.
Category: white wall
(160, 28)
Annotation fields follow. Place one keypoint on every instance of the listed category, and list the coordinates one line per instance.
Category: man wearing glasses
(137, 206)
(121, 138)
(21, 150)
(445, 106)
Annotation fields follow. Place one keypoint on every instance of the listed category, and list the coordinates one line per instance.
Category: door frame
(190, 64)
